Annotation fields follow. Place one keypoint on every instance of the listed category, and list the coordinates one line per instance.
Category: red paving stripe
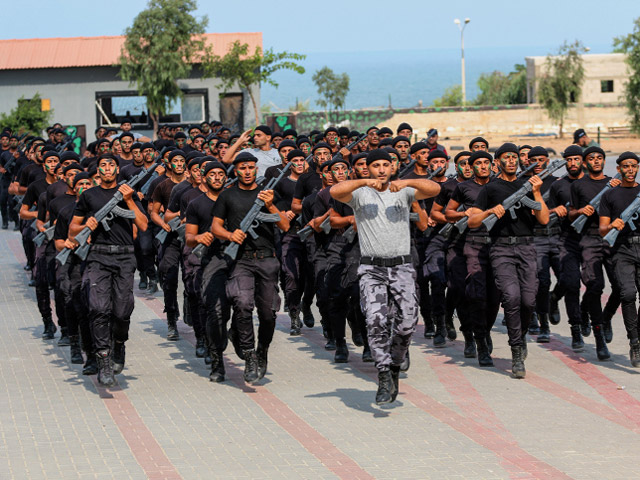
(312, 441)
(515, 460)
(143, 446)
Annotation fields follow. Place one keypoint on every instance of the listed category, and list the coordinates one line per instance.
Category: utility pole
(461, 27)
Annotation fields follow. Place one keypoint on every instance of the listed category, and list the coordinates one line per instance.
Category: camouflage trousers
(390, 304)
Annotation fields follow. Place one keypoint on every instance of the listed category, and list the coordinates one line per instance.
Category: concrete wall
(73, 92)
(597, 67)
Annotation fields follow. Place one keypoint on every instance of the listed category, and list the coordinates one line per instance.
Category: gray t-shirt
(382, 219)
(266, 159)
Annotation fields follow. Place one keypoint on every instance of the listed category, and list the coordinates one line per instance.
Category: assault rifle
(47, 234)
(18, 199)
(406, 168)
(103, 216)
(553, 216)
(306, 232)
(579, 223)
(519, 198)
(351, 145)
(522, 173)
(627, 216)
(254, 216)
(175, 224)
(446, 230)
(145, 188)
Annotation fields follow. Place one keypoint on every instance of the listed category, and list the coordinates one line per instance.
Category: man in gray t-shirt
(387, 277)
(267, 156)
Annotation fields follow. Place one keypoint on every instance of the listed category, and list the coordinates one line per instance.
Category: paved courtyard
(572, 417)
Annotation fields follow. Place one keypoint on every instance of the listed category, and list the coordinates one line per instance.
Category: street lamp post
(461, 27)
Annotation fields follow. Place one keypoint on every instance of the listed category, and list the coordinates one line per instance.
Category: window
(606, 86)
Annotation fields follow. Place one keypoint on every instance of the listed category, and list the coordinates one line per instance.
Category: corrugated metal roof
(92, 51)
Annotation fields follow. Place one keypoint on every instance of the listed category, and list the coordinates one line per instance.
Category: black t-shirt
(307, 208)
(42, 207)
(560, 194)
(187, 197)
(320, 207)
(307, 184)
(34, 191)
(466, 194)
(496, 192)
(29, 172)
(121, 229)
(58, 204)
(284, 191)
(56, 189)
(582, 191)
(162, 192)
(176, 194)
(21, 163)
(61, 232)
(200, 212)
(273, 171)
(128, 171)
(614, 202)
(5, 157)
(232, 206)
(154, 184)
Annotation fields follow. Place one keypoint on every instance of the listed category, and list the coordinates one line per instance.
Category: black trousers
(5, 201)
(320, 266)
(547, 259)
(69, 280)
(435, 273)
(456, 279)
(169, 273)
(145, 253)
(481, 293)
(108, 283)
(296, 270)
(568, 284)
(253, 284)
(626, 263)
(27, 241)
(596, 256)
(418, 250)
(514, 267)
(43, 280)
(192, 276)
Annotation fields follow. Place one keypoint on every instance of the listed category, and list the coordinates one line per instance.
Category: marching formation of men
(369, 224)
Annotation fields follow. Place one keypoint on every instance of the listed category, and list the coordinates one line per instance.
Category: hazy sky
(329, 25)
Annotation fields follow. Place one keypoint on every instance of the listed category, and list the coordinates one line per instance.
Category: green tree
(630, 44)
(160, 48)
(301, 106)
(561, 83)
(238, 66)
(27, 117)
(452, 97)
(332, 88)
(496, 88)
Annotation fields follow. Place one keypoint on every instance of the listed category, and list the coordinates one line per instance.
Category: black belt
(385, 262)
(512, 240)
(113, 249)
(482, 240)
(258, 254)
(547, 232)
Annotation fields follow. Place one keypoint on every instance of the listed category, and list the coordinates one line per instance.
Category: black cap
(479, 154)
(538, 151)
(463, 153)
(400, 138)
(627, 156)
(572, 151)
(81, 176)
(343, 131)
(385, 130)
(264, 129)
(506, 147)
(522, 147)
(437, 153)
(290, 131)
(476, 140)
(287, 143)
(404, 126)
(320, 145)
(371, 128)
(386, 142)
(377, 154)
(578, 134)
(69, 156)
(357, 157)
(330, 129)
(416, 147)
(71, 166)
(593, 150)
(211, 165)
(432, 132)
(244, 156)
(296, 152)
(175, 153)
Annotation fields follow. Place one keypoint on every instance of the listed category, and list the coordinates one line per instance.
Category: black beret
(320, 145)
(371, 128)
(175, 153)
(275, 134)
(437, 153)
(463, 153)
(343, 131)
(572, 151)
(244, 156)
(194, 162)
(93, 170)
(51, 153)
(627, 156)
(400, 138)
(5, 134)
(200, 136)
(72, 166)
(330, 129)
(211, 165)
(386, 142)
(357, 157)
(377, 154)
(523, 147)
(593, 150)
(385, 130)
(103, 140)
(126, 120)
(506, 147)
(179, 135)
(287, 143)
(404, 126)
(302, 140)
(476, 140)
(538, 151)
(136, 146)
(264, 129)
(108, 156)
(69, 156)
(354, 133)
(126, 134)
(290, 131)
(221, 141)
(296, 152)
(479, 154)
(416, 147)
(146, 145)
(391, 150)
(81, 176)
(338, 159)
(166, 150)
(192, 154)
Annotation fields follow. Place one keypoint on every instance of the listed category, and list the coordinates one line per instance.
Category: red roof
(92, 51)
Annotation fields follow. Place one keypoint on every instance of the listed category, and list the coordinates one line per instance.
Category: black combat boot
(250, 366)
(489, 342)
(118, 357)
(217, 366)
(296, 324)
(577, 343)
(601, 345)
(385, 388)
(451, 329)
(554, 309)
(105, 368)
(153, 285)
(440, 338)
(484, 356)
(545, 334)
(342, 352)
(534, 325)
(584, 315)
(517, 362)
(232, 335)
(64, 341)
(469, 345)
(262, 354)
(75, 350)
(429, 328)
(395, 381)
(634, 353)
(142, 284)
(172, 327)
(406, 363)
(201, 348)
(307, 316)
(331, 344)
(49, 329)
(90, 366)
(607, 329)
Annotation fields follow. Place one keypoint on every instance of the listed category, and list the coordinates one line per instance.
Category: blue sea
(398, 78)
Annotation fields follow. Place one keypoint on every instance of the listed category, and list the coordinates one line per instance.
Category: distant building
(77, 78)
(604, 77)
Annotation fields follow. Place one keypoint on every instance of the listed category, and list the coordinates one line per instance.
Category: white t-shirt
(266, 159)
